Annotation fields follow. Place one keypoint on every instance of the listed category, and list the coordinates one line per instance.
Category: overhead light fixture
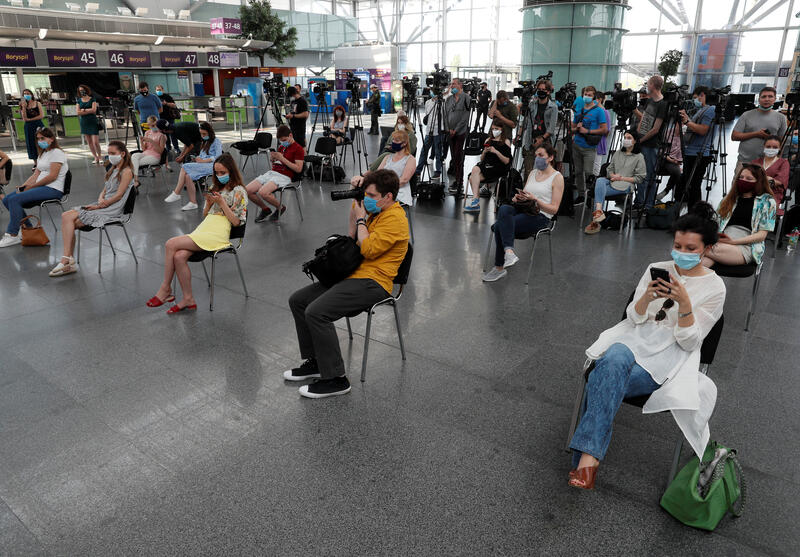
(92, 7)
(16, 3)
(141, 12)
(159, 40)
(248, 41)
(185, 15)
(71, 6)
(42, 33)
(34, 3)
(123, 11)
(169, 14)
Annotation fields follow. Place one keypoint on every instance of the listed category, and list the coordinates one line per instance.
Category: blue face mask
(28, 97)
(43, 144)
(794, 140)
(697, 103)
(371, 206)
(454, 90)
(540, 163)
(224, 179)
(587, 99)
(685, 260)
(204, 137)
(284, 144)
(159, 93)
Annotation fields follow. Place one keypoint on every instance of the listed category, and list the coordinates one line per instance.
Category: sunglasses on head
(662, 313)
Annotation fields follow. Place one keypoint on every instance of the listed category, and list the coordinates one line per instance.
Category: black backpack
(474, 144)
(335, 174)
(430, 191)
(336, 260)
(508, 185)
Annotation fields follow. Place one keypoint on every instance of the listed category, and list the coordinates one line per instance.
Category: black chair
(46, 203)
(8, 167)
(127, 213)
(347, 141)
(778, 232)
(237, 233)
(325, 147)
(259, 144)
(160, 167)
(743, 271)
(707, 353)
(293, 186)
(401, 280)
(543, 232)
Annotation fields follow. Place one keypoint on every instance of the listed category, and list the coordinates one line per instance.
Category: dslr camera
(622, 101)
(352, 193)
(567, 95)
(438, 80)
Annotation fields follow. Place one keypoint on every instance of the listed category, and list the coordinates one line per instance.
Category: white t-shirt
(43, 166)
(542, 190)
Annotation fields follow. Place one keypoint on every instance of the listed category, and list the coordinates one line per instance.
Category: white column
(216, 83)
(20, 80)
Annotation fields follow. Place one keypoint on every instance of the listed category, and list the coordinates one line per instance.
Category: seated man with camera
(378, 224)
(287, 164)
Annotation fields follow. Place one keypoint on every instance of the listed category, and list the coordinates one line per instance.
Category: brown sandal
(584, 478)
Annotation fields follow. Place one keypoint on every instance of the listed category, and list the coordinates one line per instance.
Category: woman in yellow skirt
(226, 206)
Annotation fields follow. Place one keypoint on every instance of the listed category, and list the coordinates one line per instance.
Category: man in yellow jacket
(380, 227)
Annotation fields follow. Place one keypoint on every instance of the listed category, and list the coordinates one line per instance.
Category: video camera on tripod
(471, 86)
(410, 86)
(622, 101)
(126, 97)
(567, 95)
(437, 82)
(678, 95)
(353, 84)
(274, 85)
(719, 97)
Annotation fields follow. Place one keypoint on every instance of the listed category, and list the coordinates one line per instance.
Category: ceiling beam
(668, 15)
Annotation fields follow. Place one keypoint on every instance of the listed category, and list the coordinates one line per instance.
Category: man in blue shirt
(146, 104)
(697, 143)
(588, 126)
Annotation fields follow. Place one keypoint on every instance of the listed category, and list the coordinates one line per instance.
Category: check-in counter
(19, 124)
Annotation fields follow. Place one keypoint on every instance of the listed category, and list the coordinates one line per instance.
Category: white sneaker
(494, 275)
(510, 259)
(172, 197)
(9, 240)
(189, 207)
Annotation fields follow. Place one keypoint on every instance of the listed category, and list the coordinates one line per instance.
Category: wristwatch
(682, 315)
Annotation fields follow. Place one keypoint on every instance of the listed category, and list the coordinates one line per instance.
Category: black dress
(491, 166)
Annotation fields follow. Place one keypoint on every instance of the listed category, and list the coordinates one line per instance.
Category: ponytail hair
(701, 219)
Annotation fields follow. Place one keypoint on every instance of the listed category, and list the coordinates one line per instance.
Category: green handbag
(702, 493)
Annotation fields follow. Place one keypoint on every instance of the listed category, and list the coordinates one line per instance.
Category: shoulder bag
(590, 138)
(336, 260)
(33, 235)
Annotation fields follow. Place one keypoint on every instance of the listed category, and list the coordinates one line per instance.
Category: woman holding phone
(226, 206)
(746, 215)
(655, 350)
(531, 211)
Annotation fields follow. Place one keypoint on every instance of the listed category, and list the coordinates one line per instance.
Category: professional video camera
(125, 96)
(719, 96)
(525, 91)
(566, 95)
(274, 85)
(677, 94)
(410, 86)
(320, 87)
(471, 86)
(353, 84)
(354, 193)
(622, 101)
(438, 81)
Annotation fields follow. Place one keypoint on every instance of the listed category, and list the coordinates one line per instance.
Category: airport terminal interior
(493, 403)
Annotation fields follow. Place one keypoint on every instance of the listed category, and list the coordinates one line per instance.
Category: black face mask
(144, 93)
(542, 94)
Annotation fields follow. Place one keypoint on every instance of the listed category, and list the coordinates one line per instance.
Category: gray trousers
(582, 163)
(315, 308)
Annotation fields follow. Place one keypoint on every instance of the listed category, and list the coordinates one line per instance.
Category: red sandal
(584, 478)
(155, 301)
(177, 309)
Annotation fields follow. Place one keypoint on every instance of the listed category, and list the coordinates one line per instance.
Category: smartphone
(659, 273)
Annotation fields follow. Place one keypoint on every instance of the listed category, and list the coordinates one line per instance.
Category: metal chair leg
(530, 263)
(676, 459)
(366, 347)
(78, 250)
(349, 329)
(100, 251)
(576, 411)
(583, 214)
(280, 205)
(297, 199)
(47, 210)
(753, 300)
(129, 244)
(550, 246)
(624, 214)
(399, 331)
(208, 280)
(241, 275)
(488, 250)
(113, 251)
(213, 269)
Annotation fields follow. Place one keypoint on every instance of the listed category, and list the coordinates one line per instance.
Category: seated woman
(203, 165)
(4, 160)
(403, 124)
(108, 208)
(495, 162)
(655, 350)
(402, 162)
(777, 169)
(226, 206)
(46, 183)
(531, 212)
(746, 215)
(153, 144)
(626, 170)
(339, 124)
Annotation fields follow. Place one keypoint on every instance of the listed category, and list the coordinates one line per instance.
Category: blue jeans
(15, 201)
(602, 187)
(434, 141)
(615, 376)
(30, 138)
(646, 195)
(510, 225)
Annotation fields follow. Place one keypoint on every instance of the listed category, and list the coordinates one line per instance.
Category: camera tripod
(435, 116)
(324, 109)
(719, 154)
(411, 108)
(270, 101)
(131, 118)
(357, 136)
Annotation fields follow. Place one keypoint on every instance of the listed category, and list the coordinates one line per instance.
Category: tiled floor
(123, 430)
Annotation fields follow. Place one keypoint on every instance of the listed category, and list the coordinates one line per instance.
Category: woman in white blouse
(655, 350)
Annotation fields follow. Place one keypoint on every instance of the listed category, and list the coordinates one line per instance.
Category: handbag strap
(719, 474)
(38, 222)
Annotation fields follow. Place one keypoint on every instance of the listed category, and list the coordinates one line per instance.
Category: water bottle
(792, 244)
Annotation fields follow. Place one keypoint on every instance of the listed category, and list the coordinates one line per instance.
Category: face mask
(697, 103)
(541, 94)
(770, 153)
(454, 90)
(145, 93)
(684, 128)
(765, 107)
(540, 163)
(794, 140)
(587, 99)
(224, 179)
(82, 93)
(285, 144)
(685, 260)
(204, 137)
(371, 206)
(401, 127)
(649, 90)
(43, 144)
(627, 143)
(114, 159)
(743, 186)
(496, 133)
(159, 93)
(28, 97)
(396, 146)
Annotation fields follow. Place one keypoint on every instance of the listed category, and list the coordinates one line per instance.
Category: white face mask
(401, 127)
(497, 133)
(114, 159)
(627, 143)
(770, 152)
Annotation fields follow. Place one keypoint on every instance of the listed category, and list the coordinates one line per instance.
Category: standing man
(298, 116)
(651, 120)
(506, 112)
(146, 104)
(755, 125)
(169, 112)
(484, 99)
(589, 125)
(541, 123)
(374, 105)
(456, 113)
(699, 129)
